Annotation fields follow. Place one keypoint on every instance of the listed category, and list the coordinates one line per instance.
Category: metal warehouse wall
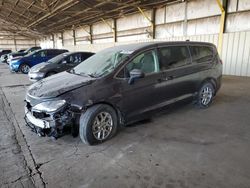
(15, 43)
(197, 20)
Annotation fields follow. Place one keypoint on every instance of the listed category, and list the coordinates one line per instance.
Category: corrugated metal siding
(236, 53)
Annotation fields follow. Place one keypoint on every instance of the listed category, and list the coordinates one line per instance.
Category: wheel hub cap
(206, 95)
(102, 126)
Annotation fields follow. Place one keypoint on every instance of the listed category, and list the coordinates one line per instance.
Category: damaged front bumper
(48, 124)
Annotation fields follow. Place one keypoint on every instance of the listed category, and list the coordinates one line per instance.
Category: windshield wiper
(92, 76)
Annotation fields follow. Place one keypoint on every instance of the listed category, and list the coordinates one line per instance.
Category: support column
(153, 23)
(222, 22)
(62, 38)
(53, 40)
(91, 34)
(74, 37)
(115, 31)
(15, 43)
(185, 20)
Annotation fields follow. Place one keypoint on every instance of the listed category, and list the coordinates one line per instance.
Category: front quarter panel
(101, 91)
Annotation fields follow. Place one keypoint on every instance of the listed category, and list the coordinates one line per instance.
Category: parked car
(4, 57)
(23, 50)
(23, 64)
(3, 54)
(57, 64)
(21, 53)
(121, 85)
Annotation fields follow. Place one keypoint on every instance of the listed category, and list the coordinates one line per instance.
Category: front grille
(40, 115)
(28, 105)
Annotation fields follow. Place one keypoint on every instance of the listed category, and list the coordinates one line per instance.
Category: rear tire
(98, 124)
(24, 68)
(205, 95)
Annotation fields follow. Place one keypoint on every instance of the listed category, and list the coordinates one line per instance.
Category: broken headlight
(49, 106)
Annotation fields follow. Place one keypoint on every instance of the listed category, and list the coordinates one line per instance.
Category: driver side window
(147, 62)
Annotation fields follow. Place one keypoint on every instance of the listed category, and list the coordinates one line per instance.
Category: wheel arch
(27, 63)
(211, 80)
(119, 114)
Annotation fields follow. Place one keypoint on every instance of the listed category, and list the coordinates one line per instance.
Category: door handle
(159, 80)
(169, 78)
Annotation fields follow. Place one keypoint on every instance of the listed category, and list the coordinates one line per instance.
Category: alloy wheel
(206, 95)
(102, 126)
(25, 68)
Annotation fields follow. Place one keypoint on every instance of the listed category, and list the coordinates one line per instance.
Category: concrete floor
(184, 147)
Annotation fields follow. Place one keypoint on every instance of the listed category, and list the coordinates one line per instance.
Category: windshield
(57, 59)
(30, 54)
(27, 50)
(102, 63)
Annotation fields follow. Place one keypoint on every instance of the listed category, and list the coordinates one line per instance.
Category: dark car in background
(22, 50)
(23, 64)
(121, 85)
(3, 55)
(2, 52)
(57, 64)
(22, 53)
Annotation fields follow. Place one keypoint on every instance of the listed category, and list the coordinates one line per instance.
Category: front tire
(98, 124)
(205, 95)
(24, 68)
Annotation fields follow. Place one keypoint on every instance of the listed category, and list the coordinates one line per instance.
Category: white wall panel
(244, 5)
(175, 12)
(236, 53)
(133, 21)
(102, 27)
(238, 22)
(202, 8)
(160, 16)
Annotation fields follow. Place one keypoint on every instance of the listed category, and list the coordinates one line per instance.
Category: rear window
(173, 57)
(201, 54)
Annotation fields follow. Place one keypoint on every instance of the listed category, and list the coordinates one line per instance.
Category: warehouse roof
(41, 17)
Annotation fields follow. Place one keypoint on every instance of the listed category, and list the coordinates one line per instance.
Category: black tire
(49, 74)
(24, 68)
(87, 119)
(202, 95)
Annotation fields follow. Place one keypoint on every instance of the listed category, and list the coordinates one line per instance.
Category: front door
(140, 96)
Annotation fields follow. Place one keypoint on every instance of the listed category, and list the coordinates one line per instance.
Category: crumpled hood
(58, 84)
(38, 67)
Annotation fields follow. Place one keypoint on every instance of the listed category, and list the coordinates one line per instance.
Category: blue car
(23, 64)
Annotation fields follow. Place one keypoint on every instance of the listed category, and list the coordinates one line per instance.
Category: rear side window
(74, 58)
(40, 54)
(174, 57)
(52, 52)
(201, 54)
(86, 55)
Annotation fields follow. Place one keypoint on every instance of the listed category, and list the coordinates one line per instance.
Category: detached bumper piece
(54, 125)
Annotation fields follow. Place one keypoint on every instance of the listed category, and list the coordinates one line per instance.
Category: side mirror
(135, 74)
